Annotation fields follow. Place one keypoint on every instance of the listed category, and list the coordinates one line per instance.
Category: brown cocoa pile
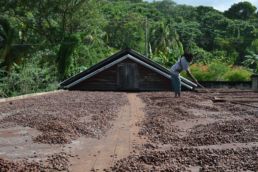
(55, 162)
(60, 116)
(234, 131)
(184, 159)
(230, 124)
(162, 109)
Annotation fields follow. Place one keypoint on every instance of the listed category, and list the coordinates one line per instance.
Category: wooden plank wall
(108, 80)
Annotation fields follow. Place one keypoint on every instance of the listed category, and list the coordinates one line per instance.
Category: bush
(200, 71)
(211, 72)
(217, 71)
(237, 74)
(29, 78)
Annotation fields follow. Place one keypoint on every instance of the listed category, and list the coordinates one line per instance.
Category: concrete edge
(2, 100)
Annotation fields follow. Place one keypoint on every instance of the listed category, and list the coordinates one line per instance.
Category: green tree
(64, 56)
(252, 61)
(9, 52)
(126, 32)
(165, 6)
(160, 38)
(188, 32)
(165, 44)
(254, 46)
(55, 22)
(29, 77)
(212, 25)
(242, 10)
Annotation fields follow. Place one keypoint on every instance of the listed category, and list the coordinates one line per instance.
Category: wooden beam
(253, 106)
(224, 91)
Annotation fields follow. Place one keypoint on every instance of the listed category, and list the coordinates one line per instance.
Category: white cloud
(217, 4)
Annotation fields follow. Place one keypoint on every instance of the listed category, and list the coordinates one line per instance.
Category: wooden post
(255, 82)
(146, 37)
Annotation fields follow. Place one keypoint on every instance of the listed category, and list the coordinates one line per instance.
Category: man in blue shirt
(182, 64)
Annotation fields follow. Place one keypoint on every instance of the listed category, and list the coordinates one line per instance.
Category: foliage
(218, 71)
(254, 46)
(252, 61)
(242, 10)
(29, 78)
(213, 71)
(64, 56)
(9, 53)
(130, 31)
(237, 74)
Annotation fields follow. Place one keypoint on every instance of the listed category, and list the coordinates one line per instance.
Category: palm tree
(165, 44)
(159, 38)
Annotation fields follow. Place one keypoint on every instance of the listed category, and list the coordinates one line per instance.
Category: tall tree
(242, 10)
(9, 52)
(53, 22)
(127, 31)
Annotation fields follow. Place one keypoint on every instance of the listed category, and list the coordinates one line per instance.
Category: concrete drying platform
(110, 131)
(92, 129)
(118, 143)
(192, 133)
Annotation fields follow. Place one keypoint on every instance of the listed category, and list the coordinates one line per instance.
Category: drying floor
(110, 131)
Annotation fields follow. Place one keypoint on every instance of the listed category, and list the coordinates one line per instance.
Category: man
(182, 64)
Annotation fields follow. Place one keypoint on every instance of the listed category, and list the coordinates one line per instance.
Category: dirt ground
(111, 131)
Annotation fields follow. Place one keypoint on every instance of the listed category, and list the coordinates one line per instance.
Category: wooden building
(126, 70)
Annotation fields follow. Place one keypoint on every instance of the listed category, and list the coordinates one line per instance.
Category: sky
(220, 5)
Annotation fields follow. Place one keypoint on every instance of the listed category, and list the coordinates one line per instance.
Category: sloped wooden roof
(126, 53)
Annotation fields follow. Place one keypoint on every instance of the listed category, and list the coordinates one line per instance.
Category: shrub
(237, 74)
(217, 71)
(200, 71)
(211, 72)
(29, 78)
